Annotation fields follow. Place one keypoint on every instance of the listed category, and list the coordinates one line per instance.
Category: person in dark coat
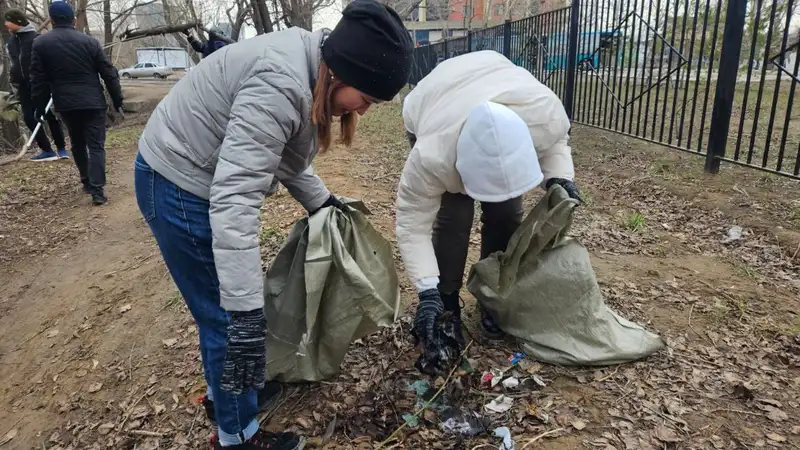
(67, 63)
(214, 43)
(19, 51)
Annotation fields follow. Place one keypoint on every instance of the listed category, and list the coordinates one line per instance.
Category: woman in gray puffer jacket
(251, 115)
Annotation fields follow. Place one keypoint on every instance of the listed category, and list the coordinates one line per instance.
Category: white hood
(495, 155)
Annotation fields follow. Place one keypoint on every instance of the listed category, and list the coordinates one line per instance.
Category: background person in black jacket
(19, 52)
(67, 63)
(215, 41)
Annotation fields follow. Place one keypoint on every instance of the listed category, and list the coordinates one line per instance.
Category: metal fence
(710, 77)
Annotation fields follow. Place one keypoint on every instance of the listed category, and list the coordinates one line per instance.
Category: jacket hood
(27, 28)
(495, 155)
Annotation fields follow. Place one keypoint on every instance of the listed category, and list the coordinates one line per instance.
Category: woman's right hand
(246, 358)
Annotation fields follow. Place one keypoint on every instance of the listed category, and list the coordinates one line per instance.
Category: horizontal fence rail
(715, 78)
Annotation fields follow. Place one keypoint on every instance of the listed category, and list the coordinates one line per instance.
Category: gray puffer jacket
(229, 131)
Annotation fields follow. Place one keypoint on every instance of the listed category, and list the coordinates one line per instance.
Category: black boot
(263, 440)
(489, 328)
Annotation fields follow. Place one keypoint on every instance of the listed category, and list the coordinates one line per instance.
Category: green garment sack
(333, 282)
(542, 290)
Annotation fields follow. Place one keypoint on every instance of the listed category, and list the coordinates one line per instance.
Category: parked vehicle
(146, 70)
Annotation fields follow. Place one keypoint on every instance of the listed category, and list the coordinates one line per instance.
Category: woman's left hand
(568, 185)
(246, 359)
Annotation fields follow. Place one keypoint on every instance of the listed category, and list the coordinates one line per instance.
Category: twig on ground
(130, 360)
(546, 433)
(737, 411)
(429, 402)
(146, 433)
(796, 252)
(194, 420)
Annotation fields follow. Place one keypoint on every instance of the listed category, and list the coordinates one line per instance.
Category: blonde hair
(322, 110)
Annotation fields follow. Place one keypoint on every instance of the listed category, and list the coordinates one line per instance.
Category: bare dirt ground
(98, 351)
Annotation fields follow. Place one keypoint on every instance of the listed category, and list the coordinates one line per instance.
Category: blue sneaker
(62, 153)
(45, 156)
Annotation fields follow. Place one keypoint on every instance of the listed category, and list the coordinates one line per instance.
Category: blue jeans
(180, 223)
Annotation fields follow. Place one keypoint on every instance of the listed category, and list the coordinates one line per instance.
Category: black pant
(453, 227)
(28, 115)
(87, 133)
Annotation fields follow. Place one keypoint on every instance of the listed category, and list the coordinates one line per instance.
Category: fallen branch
(546, 433)
(157, 31)
(146, 433)
(435, 396)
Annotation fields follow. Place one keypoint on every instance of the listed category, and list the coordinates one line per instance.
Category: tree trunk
(257, 23)
(81, 21)
(261, 14)
(108, 32)
(238, 23)
(11, 133)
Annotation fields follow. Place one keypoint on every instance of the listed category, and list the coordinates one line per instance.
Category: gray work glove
(568, 185)
(246, 359)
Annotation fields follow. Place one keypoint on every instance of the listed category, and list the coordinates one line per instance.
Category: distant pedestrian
(67, 63)
(216, 40)
(19, 51)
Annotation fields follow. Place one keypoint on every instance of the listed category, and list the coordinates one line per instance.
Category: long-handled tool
(29, 142)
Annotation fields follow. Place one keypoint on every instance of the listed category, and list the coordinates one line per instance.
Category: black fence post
(507, 39)
(572, 56)
(469, 41)
(444, 49)
(726, 84)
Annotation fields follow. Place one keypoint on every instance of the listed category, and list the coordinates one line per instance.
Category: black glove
(186, 32)
(439, 333)
(568, 185)
(331, 201)
(37, 114)
(246, 359)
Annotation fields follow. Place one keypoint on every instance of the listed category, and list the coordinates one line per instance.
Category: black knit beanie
(370, 49)
(16, 16)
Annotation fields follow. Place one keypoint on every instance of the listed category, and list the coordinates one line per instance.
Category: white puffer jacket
(435, 112)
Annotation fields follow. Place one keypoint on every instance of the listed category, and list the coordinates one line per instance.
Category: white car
(146, 70)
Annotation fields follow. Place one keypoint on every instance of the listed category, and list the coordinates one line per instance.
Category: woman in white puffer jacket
(481, 129)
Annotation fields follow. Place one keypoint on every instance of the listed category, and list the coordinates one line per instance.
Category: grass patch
(123, 137)
(634, 221)
(270, 236)
(175, 301)
(746, 270)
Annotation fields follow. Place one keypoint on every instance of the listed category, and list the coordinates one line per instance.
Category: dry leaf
(169, 343)
(578, 424)
(159, 408)
(665, 434)
(53, 333)
(303, 422)
(125, 308)
(796, 430)
(775, 414)
(94, 387)
(95, 363)
(81, 373)
(775, 437)
(105, 428)
(9, 436)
